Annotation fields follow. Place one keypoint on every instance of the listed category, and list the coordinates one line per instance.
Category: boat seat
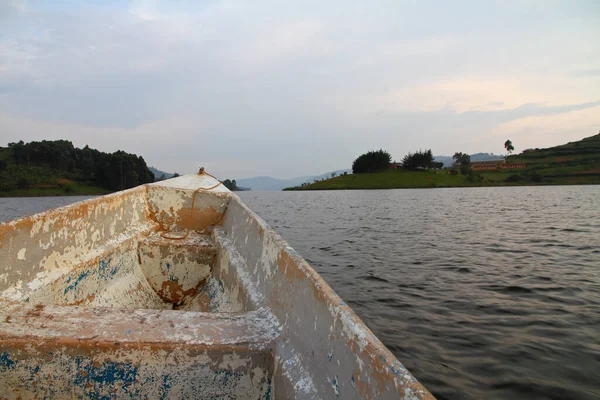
(98, 351)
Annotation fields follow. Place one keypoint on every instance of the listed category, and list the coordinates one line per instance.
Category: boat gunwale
(386, 366)
(13, 222)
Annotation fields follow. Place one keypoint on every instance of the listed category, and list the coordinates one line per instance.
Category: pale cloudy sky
(286, 88)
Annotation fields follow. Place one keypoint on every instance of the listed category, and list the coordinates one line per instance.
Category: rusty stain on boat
(95, 302)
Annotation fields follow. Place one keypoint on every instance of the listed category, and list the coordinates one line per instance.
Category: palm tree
(509, 146)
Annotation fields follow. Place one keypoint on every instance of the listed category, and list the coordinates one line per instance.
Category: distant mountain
(327, 175)
(448, 160)
(269, 183)
(158, 173)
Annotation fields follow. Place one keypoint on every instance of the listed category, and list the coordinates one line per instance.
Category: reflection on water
(480, 292)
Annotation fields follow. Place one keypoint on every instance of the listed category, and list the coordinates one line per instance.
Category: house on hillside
(487, 164)
(511, 166)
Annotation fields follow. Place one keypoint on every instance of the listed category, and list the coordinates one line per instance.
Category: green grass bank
(574, 163)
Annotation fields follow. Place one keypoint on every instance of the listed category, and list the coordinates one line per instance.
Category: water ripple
(482, 293)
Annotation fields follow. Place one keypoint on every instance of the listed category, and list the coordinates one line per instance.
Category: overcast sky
(285, 88)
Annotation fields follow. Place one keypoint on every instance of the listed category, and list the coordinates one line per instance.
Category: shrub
(513, 178)
(23, 183)
(372, 161)
(535, 177)
(420, 160)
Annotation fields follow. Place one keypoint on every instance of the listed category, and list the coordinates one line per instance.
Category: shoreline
(33, 193)
(528, 184)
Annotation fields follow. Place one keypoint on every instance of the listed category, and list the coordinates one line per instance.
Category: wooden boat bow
(97, 302)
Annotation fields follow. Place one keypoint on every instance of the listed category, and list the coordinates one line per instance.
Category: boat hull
(97, 300)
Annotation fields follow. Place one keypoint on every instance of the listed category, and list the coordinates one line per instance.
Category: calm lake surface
(480, 292)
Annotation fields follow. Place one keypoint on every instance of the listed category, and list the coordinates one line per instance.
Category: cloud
(290, 88)
(9, 8)
(529, 110)
(587, 73)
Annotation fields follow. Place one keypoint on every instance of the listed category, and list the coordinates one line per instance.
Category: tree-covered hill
(160, 175)
(58, 168)
(574, 163)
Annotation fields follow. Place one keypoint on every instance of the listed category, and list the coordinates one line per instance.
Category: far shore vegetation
(57, 168)
(573, 163)
(232, 185)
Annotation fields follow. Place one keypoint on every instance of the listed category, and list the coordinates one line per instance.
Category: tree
(230, 184)
(509, 146)
(116, 171)
(462, 162)
(23, 183)
(419, 160)
(333, 174)
(373, 161)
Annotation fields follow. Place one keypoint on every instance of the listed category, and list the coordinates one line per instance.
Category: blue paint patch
(226, 378)
(128, 332)
(221, 287)
(76, 281)
(108, 373)
(330, 355)
(342, 303)
(395, 370)
(336, 386)
(6, 362)
(105, 270)
(213, 290)
(267, 395)
(165, 387)
(168, 265)
(352, 380)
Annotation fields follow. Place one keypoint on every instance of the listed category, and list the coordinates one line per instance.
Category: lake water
(480, 292)
(14, 207)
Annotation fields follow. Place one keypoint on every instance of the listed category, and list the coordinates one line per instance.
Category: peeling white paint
(231, 303)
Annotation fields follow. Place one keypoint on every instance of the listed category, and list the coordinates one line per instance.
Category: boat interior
(171, 291)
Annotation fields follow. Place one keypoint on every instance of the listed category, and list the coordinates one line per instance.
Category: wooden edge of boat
(71, 295)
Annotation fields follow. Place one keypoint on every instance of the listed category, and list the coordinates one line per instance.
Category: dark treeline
(421, 160)
(372, 161)
(232, 185)
(380, 160)
(113, 171)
